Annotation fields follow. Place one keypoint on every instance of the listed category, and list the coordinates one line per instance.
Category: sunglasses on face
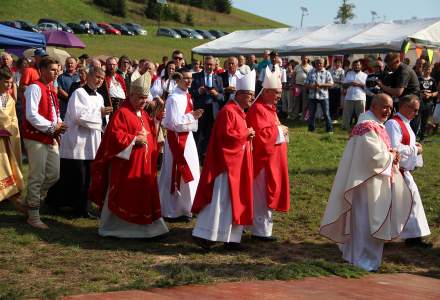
(177, 58)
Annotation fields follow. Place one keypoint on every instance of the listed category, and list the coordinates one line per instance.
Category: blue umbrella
(16, 38)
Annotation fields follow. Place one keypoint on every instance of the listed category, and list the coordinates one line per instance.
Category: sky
(323, 12)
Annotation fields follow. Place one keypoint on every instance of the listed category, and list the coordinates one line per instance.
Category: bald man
(367, 185)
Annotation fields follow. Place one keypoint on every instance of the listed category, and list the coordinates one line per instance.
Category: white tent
(329, 39)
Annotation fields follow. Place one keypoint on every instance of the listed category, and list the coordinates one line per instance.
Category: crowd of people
(98, 132)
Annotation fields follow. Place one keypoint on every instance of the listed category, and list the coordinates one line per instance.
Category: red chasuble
(229, 151)
(268, 156)
(131, 184)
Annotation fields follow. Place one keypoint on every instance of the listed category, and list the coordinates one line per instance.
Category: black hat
(274, 53)
(84, 56)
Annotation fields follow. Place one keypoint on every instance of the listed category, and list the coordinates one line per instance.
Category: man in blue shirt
(65, 80)
(318, 81)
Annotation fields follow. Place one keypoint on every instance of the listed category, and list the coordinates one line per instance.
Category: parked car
(168, 32)
(79, 28)
(136, 28)
(183, 33)
(93, 27)
(48, 26)
(216, 33)
(206, 34)
(124, 30)
(194, 33)
(59, 24)
(27, 26)
(109, 29)
(12, 24)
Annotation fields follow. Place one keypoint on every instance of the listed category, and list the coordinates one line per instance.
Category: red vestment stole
(177, 142)
(405, 133)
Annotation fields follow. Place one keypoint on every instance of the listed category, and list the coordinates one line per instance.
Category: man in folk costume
(11, 178)
(369, 202)
(224, 201)
(403, 140)
(180, 170)
(42, 127)
(271, 177)
(124, 174)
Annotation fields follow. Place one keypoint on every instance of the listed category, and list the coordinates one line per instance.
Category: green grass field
(151, 46)
(71, 258)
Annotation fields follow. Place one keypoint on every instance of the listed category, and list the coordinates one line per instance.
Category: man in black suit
(229, 77)
(207, 93)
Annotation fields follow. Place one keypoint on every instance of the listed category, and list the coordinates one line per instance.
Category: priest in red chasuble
(224, 201)
(271, 174)
(124, 175)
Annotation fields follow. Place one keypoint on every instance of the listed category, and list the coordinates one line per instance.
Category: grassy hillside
(151, 46)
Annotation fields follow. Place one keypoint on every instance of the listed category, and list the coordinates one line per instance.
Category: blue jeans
(313, 104)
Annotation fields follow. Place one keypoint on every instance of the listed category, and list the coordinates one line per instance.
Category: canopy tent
(16, 38)
(329, 39)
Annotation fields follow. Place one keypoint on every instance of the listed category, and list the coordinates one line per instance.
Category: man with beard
(113, 90)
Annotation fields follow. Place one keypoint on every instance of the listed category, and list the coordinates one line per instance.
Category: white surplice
(84, 122)
(417, 225)
(160, 86)
(112, 225)
(179, 203)
(214, 222)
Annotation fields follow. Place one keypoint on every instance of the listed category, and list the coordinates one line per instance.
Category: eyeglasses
(177, 58)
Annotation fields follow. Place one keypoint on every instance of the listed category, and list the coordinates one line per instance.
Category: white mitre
(272, 80)
(245, 81)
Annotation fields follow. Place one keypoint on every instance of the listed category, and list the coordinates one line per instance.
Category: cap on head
(274, 53)
(141, 86)
(40, 52)
(245, 80)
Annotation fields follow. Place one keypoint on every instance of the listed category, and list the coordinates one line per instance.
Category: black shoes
(264, 238)
(202, 243)
(231, 246)
(181, 219)
(417, 242)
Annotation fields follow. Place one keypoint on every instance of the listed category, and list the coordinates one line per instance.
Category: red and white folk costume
(224, 201)
(369, 202)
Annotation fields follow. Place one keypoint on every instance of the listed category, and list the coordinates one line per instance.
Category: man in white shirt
(300, 102)
(403, 140)
(229, 78)
(180, 170)
(41, 131)
(355, 96)
(84, 114)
